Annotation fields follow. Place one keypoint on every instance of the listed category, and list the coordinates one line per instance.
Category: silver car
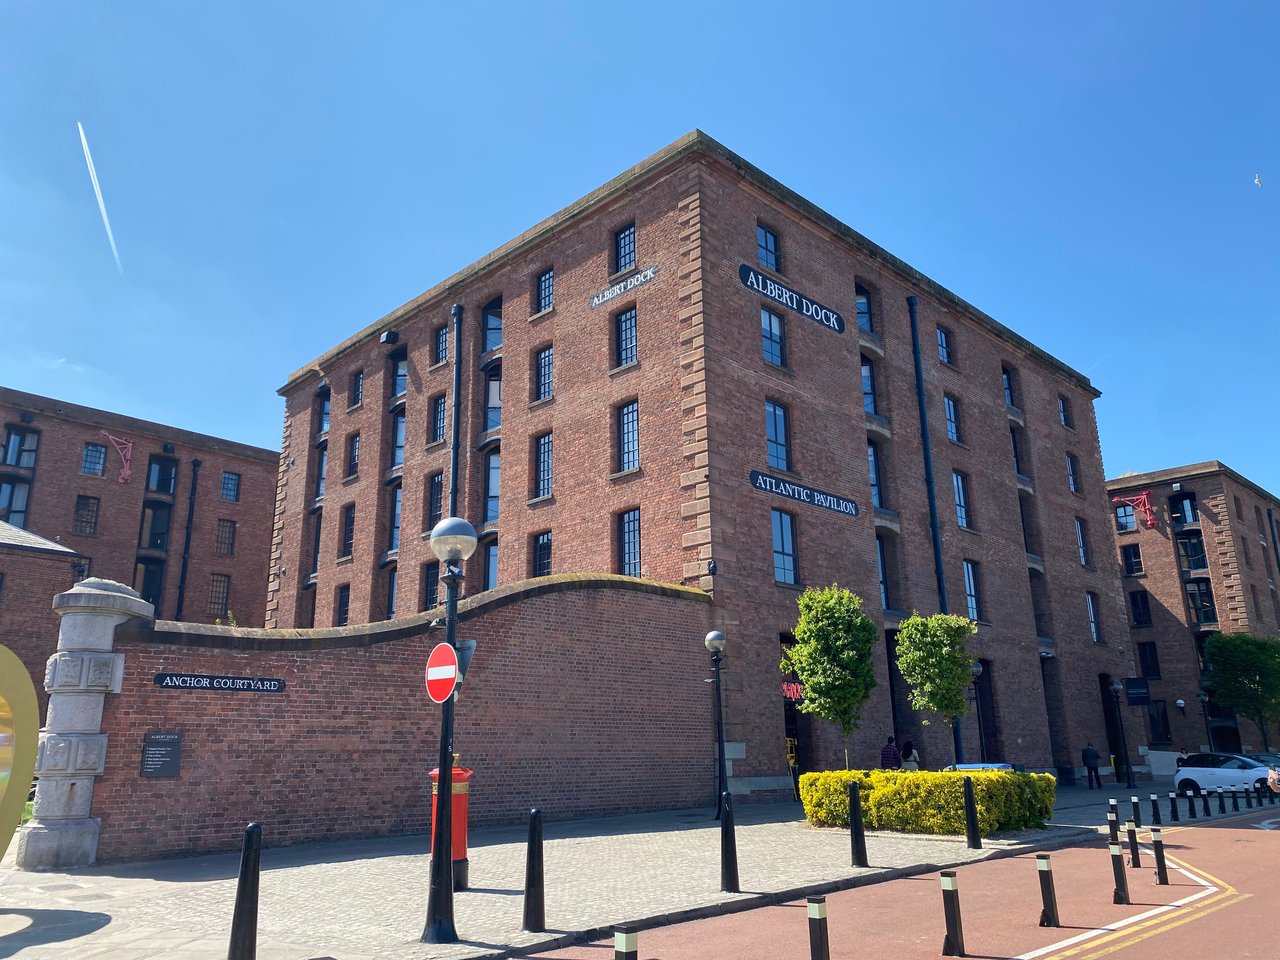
(1208, 771)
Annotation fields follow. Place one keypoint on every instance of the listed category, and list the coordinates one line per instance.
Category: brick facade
(1235, 520)
(701, 383)
(112, 529)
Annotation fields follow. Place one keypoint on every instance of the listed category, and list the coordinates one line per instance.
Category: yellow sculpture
(19, 733)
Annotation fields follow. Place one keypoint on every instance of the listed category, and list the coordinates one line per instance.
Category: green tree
(1244, 675)
(832, 655)
(935, 662)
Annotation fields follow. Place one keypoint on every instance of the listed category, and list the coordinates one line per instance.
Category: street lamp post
(1117, 688)
(1203, 697)
(715, 641)
(976, 670)
(453, 540)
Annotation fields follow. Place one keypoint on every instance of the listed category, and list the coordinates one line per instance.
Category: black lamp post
(976, 670)
(1117, 688)
(715, 641)
(452, 540)
(1203, 697)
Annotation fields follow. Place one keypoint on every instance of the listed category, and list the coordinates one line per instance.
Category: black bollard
(1271, 795)
(1155, 810)
(819, 944)
(972, 837)
(1204, 799)
(857, 836)
(1121, 894)
(244, 921)
(1257, 789)
(1191, 805)
(1048, 897)
(1113, 828)
(1235, 800)
(626, 943)
(953, 942)
(535, 920)
(1157, 844)
(1137, 811)
(1222, 801)
(1134, 859)
(1173, 807)
(1248, 798)
(728, 847)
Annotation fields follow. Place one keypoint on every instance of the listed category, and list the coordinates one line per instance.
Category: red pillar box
(461, 798)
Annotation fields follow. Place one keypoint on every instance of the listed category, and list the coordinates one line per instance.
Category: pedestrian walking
(890, 758)
(910, 756)
(1091, 759)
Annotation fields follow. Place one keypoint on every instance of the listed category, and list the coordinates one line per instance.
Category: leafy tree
(1244, 674)
(832, 655)
(933, 659)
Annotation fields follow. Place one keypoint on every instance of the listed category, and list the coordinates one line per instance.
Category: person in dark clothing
(1091, 759)
(890, 758)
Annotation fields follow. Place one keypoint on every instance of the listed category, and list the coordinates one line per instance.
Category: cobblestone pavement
(354, 900)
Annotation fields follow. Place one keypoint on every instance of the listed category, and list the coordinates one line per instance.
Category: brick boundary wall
(585, 697)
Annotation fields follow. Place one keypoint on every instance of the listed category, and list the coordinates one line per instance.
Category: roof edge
(1189, 471)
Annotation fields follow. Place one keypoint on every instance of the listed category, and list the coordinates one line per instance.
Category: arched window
(492, 323)
(862, 303)
(869, 386)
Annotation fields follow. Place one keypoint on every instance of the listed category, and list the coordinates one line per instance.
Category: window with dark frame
(951, 408)
(1073, 473)
(542, 466)
(1064, 412)
(862, 306)
(162, 475)
(1183, 508)
(325, 399)
(493, 399)
(489, 551)
(342, 606)
(973, 590)
(773, 338)
(492, 485)
(777, 435)
(86, 518)
(1125, 518)
(317, 528)
(628, 436)
(435, 499)
(1082, 541)
(869, 386)
(355, 395)
(1158, 715)
(14, 495)
(437, 418)
(546, 290)
(785, 568)
(882, 573)
(1200, 600)
(1131, 557)
(230, 486)
(960, 487)
(20, 447)
(491, 321)
(544, 373)
(945, 351)
(1017, 452)
(322, 469)
(873, 469)
(224, 544)
(431, 585)
(219, 594)
(1140, 610)
(347, 543)
(1191, 552)
(629, 542)
(156, 518)
(767, 247)
(94, 461)
(1239, 508)
(440, 344)
(399, 376)
(1009, 381)
(1095, 620)
(396, 496)
(397, 438)
(393, 583)
(625, 348)
(541, 554)
(624, 248)
(353, 454)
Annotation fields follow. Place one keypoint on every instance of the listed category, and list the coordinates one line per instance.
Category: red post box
(461, 798)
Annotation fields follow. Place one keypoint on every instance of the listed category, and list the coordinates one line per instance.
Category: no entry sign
(442, 672)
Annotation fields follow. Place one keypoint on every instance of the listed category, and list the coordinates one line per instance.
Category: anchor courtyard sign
(791, 299)
(802, 494)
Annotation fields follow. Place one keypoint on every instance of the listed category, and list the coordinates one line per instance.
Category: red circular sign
(442, 672)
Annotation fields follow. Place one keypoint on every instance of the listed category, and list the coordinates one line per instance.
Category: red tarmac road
(1220, 904)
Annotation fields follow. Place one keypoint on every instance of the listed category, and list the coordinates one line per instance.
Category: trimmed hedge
(924, 802)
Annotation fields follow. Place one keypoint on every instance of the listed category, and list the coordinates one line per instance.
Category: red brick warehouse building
(1199, 553)
(695, 375)
(183, 517)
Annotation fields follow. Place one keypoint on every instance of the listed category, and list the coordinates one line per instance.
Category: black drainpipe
(936, 533)
(186, 541)
(457, 408)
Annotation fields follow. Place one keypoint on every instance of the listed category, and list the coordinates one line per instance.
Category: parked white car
(1208, 771)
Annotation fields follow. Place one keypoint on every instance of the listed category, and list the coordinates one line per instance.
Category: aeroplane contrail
(102, 207)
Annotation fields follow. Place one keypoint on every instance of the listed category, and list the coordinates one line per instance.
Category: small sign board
(200, 681)
(442, 672)
(161, 755)
(1137, 691)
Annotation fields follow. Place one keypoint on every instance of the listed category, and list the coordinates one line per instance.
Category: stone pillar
(73, 748)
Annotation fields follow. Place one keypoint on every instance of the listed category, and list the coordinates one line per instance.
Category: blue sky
(279, 175)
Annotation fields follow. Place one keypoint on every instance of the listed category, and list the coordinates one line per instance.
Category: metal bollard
(1204, 799)
(535, 920)
(1155, 810)
(1235, 800)
(1113, 828)
(728, 847)
(1248, 798)
(244, 921)
(857, 836)
(1135, 860)
(953, 942)
(626, 943)
(1137, 811)
(819, 944)
(972, 837)
(1222, 801)
(1157, 844)
(1048, 897)
(1191, 805)
(1121, 894)
(1257, 789)
(1173, 807)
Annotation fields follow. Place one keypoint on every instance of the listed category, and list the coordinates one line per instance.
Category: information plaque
(161, 755)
